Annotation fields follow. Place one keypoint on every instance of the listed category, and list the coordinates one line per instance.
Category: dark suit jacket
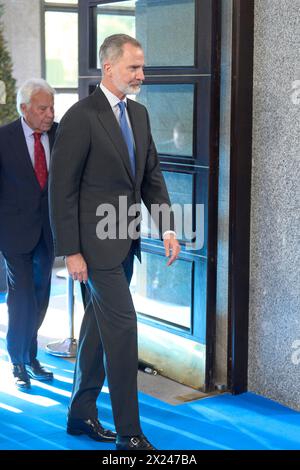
(23, 205)
(90, 166)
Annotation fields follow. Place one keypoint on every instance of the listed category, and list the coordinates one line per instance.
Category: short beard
(128, 89)
(132, 90)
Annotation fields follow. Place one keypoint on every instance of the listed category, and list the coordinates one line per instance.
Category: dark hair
(112, 47)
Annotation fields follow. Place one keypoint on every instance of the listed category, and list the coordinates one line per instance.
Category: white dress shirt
(28, 133)
(113, 101)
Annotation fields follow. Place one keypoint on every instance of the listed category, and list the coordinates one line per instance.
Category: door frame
(240, 193)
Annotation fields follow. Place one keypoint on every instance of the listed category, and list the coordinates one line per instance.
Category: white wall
(22, 31)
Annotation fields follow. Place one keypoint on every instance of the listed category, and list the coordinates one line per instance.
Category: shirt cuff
(167, 232)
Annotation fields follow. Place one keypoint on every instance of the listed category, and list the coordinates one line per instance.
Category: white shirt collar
(113, 99)
(27, 129)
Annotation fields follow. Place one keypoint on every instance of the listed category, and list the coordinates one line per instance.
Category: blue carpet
(36, 420)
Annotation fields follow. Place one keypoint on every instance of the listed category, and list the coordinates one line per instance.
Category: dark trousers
(28, 282)
(108, 346)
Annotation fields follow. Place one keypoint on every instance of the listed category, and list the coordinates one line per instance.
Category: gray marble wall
(274, 347)
(22, 30)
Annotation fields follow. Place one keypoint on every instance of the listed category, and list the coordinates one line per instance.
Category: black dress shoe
(22, 379)
(133, 443)
(37, 372)
(90, 427)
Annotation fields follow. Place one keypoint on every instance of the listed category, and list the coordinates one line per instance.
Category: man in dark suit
(104, 150)
(25, 235)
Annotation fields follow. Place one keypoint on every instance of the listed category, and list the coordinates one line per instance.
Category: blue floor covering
(36, 420)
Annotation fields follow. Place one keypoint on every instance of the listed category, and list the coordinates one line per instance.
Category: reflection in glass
(109, 22)
(180, 188)
(166, 29)
(163, 292)
(61, 33)
(62, 102)
(171, 109)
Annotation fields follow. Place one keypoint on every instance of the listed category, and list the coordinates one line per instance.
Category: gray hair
(112, 47)
(29, 88)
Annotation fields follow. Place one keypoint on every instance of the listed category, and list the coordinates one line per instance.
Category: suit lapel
(110, 124)
(21, 151)
(137, 130)
(51, 136)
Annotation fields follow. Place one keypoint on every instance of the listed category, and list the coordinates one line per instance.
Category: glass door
(175, 305)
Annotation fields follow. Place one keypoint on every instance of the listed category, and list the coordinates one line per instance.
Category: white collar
(28, 131)
(113, 99)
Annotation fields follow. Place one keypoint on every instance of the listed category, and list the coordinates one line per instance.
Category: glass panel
(180, 188)
(61, 28)
(171, 109)
(165, 28)
(162, 292)
(63, 101)
(113, 23)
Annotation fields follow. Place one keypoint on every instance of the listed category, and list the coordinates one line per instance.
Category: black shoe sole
(78, 432)
(134, 448)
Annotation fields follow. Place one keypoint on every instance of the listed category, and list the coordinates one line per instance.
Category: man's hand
(77, 267)
(171, 246)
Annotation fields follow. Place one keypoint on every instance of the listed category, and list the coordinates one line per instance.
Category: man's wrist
(71, 254)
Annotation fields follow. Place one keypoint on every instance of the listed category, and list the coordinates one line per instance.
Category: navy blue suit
(25, 241)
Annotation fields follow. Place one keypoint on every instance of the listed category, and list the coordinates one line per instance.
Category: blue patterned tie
(127, 134)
